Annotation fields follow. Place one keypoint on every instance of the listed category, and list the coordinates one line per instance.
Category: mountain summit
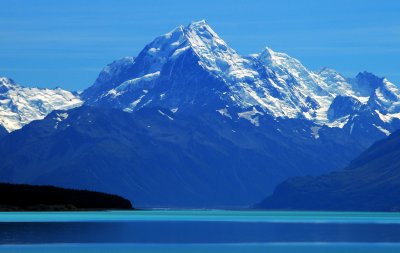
(192, 68)
(189, 122)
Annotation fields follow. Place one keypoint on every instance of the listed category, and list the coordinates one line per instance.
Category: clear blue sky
(50, 43)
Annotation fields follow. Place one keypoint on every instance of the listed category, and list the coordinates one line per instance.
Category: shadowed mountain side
(370, 183)
(3, 132)
(156, 158)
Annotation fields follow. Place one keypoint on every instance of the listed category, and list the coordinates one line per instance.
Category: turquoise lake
(199, 231)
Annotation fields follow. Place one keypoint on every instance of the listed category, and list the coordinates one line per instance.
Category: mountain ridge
(160, 159)
(275, 82)
(189, 122)
(20, 105)
(369, 183)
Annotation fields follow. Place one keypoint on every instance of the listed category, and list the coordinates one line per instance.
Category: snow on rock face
(245, 86)
(199, 42)
(337, 84)
(304, 93)
(113, 74)
(366, 83)
(132, 84)
(386, 98)
(289, 69)
(224, 112)
(252, 116)
(343, 106)
(276, 83)
(215, 54)
(20, 105)
(115, 68)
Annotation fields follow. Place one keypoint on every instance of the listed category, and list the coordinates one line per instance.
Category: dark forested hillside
(20, 197)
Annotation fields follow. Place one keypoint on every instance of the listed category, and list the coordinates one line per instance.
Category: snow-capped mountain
(191, 123)
(20, 105)
(192, 67)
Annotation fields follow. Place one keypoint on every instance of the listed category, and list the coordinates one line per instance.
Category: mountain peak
(327, 70)
(201, 27)
(268, 50)
(4, 79)
(196, 28)
(177, 30)
(269, 56)
(368, 75)
(266, 55)
(200, 33)
(6, 84)
(366, 83)
(200, 23)
(198, 36)
(277, 82)
(331, 76)
(116, 66)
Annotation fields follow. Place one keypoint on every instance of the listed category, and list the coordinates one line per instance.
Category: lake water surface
(199, 231)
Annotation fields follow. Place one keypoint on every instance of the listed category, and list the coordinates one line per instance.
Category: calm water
(199, 231)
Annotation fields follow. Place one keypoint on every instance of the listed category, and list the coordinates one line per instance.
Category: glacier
(189, 122)
(276, 83)
(21, 105)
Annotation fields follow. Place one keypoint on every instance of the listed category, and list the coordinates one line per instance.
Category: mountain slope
(191, 69)
(370, 183)
(20, 105)
(190, 123)
(3, 132)
(158, 159)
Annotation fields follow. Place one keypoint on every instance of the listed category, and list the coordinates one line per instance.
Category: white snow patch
(340, 123)
(179, 52)
(224, 112)
(384, 117)
(351, 128)
(147, 102)
(153, 50)
(252, 116)
(62, 116)
(315, 131)
(137, 101)
(130, 83)
(163, 114)
(363, 100)
(383, 130)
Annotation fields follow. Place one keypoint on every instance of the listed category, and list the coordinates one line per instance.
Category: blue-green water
(199, 231)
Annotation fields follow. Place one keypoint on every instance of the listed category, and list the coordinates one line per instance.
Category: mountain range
(189, 122)
(20, 105)
(192, 68)
(370, 183)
